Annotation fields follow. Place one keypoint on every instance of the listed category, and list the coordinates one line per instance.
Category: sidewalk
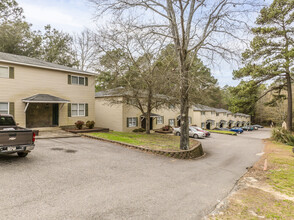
(53, 132)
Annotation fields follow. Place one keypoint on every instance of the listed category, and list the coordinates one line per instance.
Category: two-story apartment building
(119, 116)
(42, 94)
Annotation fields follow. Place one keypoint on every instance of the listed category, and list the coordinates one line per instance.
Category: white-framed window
(203, 125)
(190, 120)
(4, 107)
(171, 106)
(4, 72)
(171, 122)
(78, 80)
(78, 109)
(132, 122)
(202, 113)
(160, 120)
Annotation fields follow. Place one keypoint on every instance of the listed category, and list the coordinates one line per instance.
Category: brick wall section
(195, 151)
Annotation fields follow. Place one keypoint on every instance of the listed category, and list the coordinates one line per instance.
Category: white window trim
(78, 80)
(130, 122)
(161, 120)
(169, 120)
(8, 105)
(8, 72)
(78, 110)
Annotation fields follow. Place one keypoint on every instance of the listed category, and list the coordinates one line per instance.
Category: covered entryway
(238, 123)
(222, 123)
(209, 124)
(231, 122)
(42, 110)
(143, 120)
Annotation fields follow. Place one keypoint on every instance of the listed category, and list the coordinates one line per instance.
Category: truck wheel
(195, 136)
(22, 154)
(178, 134)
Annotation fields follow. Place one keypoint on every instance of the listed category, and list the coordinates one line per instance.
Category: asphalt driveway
(80, 178)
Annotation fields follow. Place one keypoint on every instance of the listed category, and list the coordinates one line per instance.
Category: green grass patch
(281, 176)
(222, 132)
(152, 141)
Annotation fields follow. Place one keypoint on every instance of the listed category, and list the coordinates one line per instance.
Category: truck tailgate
(16, 137)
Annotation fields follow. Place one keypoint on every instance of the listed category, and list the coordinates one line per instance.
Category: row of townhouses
(42, 94)
(124, 117)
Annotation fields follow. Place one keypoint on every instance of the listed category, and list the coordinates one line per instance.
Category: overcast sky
(73, 16)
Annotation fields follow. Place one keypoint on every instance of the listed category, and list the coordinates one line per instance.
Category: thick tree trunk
(147, 118)
(184, 142)
(289, 109)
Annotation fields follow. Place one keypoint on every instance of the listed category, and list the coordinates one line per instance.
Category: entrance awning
(45, 98)
(152, 115)
(210, 121)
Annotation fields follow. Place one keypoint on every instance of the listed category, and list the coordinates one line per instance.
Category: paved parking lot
(80, 178)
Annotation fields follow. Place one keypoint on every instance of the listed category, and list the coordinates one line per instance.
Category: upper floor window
(4, 72)
(78, 80)
(202, 113)
(217, 114)
(212, 113)
(4, 107)
(171, 106)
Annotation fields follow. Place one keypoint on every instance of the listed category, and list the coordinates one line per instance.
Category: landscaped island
(152, 141)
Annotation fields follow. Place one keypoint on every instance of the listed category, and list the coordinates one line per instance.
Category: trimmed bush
(90, 124)
(139, 130)
(283, 136)
(166, 128)
(79, 124)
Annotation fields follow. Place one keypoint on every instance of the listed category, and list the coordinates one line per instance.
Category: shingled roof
(28, 61)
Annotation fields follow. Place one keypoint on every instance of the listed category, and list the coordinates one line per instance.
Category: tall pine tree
(271, 53)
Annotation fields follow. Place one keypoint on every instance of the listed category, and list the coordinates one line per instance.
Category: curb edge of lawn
(195, 152)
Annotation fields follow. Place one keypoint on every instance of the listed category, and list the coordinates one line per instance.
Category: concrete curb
(195, 152)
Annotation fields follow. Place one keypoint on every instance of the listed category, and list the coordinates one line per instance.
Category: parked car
(14, 139)
(192, 132)
(237, 130)
(257, 126)
(248, 128)
(207, 133)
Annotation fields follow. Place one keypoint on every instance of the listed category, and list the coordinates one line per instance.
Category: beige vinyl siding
(29, 81)
(107, 115)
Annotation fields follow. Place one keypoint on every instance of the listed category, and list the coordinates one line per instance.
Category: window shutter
(11, 108)
(87, 111)
(69, 109)
(136, 122)
(86, 81)
(162, 119)
(156, 120)
(69, 79)
(11, 72)
(127, 122)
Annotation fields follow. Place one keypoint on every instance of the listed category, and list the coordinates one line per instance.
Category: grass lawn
(223, 132)
(255, 201)
(152, 141)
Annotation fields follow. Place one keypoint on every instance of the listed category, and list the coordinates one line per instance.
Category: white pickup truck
(14, 139)
(192, 132)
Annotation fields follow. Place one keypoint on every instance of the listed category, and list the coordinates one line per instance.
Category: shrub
(283, 136)
(79, 124)
(166, 128)
(90, 124)
(139, 130)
